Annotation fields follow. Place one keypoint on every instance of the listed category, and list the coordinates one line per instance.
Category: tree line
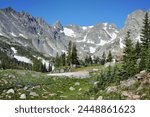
(71, 58)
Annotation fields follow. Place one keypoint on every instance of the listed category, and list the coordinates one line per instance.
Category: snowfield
(22, 36)
(14, 50)
(1, 34)
(92, 49)
(23, 59)
(69, 32)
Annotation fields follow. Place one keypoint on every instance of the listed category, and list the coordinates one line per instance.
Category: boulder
(62, 70)
(10, 91)
(12, 76)
(5, 81)
(23, 96)
(136, 97)
(100, 98)
(25, 88)
(111, 89)
(77, 83)
(34, 94)
(71, 88)
(128, 83)
(130, 95)
(141, 75)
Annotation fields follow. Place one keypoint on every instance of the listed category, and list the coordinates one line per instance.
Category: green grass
(47, 87)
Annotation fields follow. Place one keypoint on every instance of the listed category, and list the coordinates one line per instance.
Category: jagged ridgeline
(35, 33)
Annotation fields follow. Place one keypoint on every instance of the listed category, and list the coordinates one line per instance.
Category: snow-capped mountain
(35, 33)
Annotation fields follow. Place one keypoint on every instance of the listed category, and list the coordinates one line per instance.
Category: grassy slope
(46, 87)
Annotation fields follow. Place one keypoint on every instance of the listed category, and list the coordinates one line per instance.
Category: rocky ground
(18, 84)
(21, 84)
(135, 88)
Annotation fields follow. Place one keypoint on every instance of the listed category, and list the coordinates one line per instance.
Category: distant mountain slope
(35, 33)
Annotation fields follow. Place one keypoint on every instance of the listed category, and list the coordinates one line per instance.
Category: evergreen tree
(103, 60)
(138, 50)
(63, 57)
(96, 60)
(58, 60)
(86, 61)
(90, 60)
(129, 58)
(109, 58)
(74, 57)
(37, 65)
(69, 53)
(44, 69)
(145, 38)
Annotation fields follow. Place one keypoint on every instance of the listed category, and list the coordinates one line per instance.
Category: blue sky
(80, 12)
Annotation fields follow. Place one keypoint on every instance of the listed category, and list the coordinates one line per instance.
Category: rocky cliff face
(34, 32)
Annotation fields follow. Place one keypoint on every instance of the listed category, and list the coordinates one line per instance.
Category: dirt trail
(80, 74)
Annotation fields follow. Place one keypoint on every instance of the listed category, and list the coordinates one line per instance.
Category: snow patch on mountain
(105, 24)
(84, 28)
(89, 41)
(13, 34)
(92, 49)
(23, 59)
(138, 38)
(22, 36)
(121, 44)
(113, 35)
(69, 32)
(1, 34)
(91, 26)
(102, 42)
(64, 51)
(14, 50)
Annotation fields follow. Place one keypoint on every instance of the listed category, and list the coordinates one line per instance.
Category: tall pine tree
(145, 38)
(69, 53)
(138, 50)
(129, 58)
(109, 57)
(74, 57)
(103, 60)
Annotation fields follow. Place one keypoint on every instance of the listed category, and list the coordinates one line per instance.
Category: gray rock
(71, 88)
(100, 98)
(10, 91)
(77, 83)
(111, 89)
(128, 83)
(34, 94)
(141, 75)
(62, 70)
(25, 88)
(52, 94)
(5, 81)
(11, 76)
(23, 96)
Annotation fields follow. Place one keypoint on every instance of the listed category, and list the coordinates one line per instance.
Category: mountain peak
(9, 9)
(58, 25)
